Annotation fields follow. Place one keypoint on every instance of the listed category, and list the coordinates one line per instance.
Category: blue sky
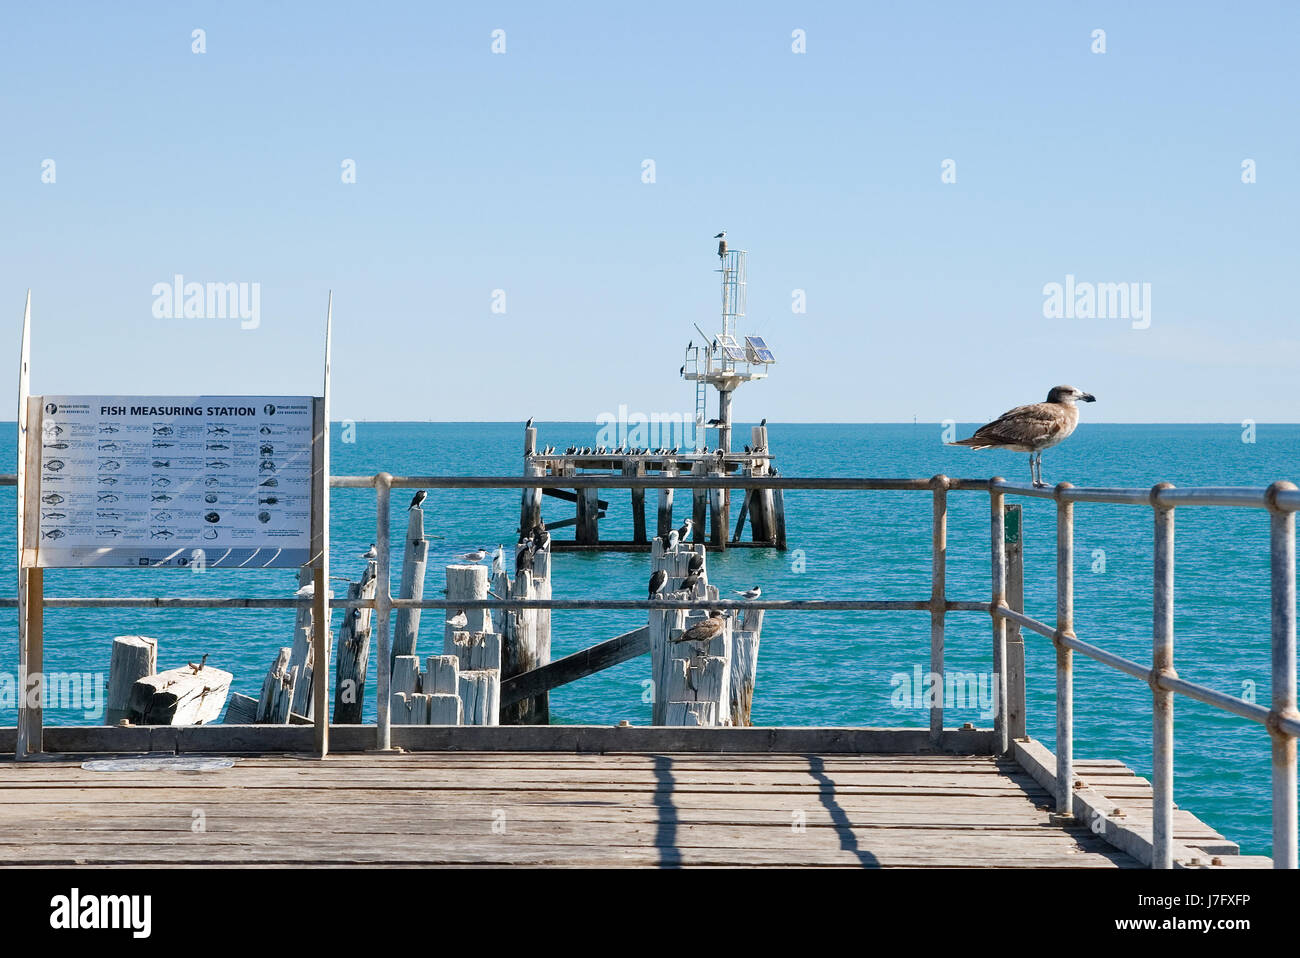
(522, 172)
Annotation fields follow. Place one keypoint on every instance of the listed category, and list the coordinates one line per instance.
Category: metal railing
(1282, 500)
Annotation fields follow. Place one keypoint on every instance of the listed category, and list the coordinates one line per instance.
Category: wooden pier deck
(550, 808)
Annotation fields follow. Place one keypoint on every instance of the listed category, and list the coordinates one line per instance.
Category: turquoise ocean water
(817, 668)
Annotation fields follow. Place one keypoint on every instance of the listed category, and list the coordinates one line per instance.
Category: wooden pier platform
(551, 808)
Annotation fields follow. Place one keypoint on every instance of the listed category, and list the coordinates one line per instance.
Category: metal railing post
(999, 601)
(1013, 524)
(1283, 701)
(1162, 664)
(1064, 654)
(938, 600)
(383, 607)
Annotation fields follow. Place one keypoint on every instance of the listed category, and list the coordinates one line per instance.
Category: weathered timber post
(476, 645)
(354, 653)
(665, 517)
(636, 468)
(441, 682)
(717, 511)
(761, 504)
(406, 626)
(778, 516)
(133, 657)
(526, 639)
(744, 665)
(530, 511)
(588, 528)
(699, 505)
(468, 582)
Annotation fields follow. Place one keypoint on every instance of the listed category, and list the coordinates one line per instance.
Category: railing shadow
(670, 855)
(839, 817)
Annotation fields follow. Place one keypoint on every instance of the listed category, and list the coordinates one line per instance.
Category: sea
(814, 668)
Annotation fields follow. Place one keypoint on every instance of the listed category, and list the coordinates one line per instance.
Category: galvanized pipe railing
(1282, 500)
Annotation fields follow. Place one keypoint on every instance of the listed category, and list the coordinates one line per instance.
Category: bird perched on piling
(1032, 428)
(540, 536)
(722, 244)
(671, 543)
(694, 564)
(499, 561)
(690, 582)
(703, 631)
(416, 500)
(529, 424)
(371, 553)
(524, 553)
(684, 532)
(751, 594)
(763, 422)
(478, 555)
(658, 580)
(459, 620)
(309, 592)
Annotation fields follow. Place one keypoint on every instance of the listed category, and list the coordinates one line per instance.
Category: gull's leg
(1033, 478)
(1041, 482)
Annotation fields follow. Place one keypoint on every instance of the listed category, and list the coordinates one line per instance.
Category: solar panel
(758, 351)
(731, 350)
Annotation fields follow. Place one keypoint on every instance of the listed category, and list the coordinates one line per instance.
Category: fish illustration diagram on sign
(131, 481)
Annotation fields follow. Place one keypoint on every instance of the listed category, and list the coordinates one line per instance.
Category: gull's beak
(1088, 397)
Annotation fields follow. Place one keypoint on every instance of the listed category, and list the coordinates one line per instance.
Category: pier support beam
(588, 527)
(665, 518)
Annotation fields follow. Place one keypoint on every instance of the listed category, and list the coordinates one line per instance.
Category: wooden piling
(189, 695)
(526, 640)
(699, 505)
(588, 528)
(414, 558)
(406, 683)
(637, 468)
(665, 517)
(271, 690)
(480, 696)
(717, 512)
(530, 510)
(744, 666)
(467, 582)
(778, 516)
(133, 657)
(354, 653)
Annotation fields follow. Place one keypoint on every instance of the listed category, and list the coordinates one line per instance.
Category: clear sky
(522, 171)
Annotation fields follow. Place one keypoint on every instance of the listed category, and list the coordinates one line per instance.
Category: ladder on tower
(700, 400)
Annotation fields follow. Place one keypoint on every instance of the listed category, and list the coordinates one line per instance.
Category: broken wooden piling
(133, 658)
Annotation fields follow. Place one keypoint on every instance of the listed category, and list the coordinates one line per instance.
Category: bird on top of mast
(722, 244)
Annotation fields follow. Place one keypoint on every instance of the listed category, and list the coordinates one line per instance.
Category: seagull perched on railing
(1032, 428)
